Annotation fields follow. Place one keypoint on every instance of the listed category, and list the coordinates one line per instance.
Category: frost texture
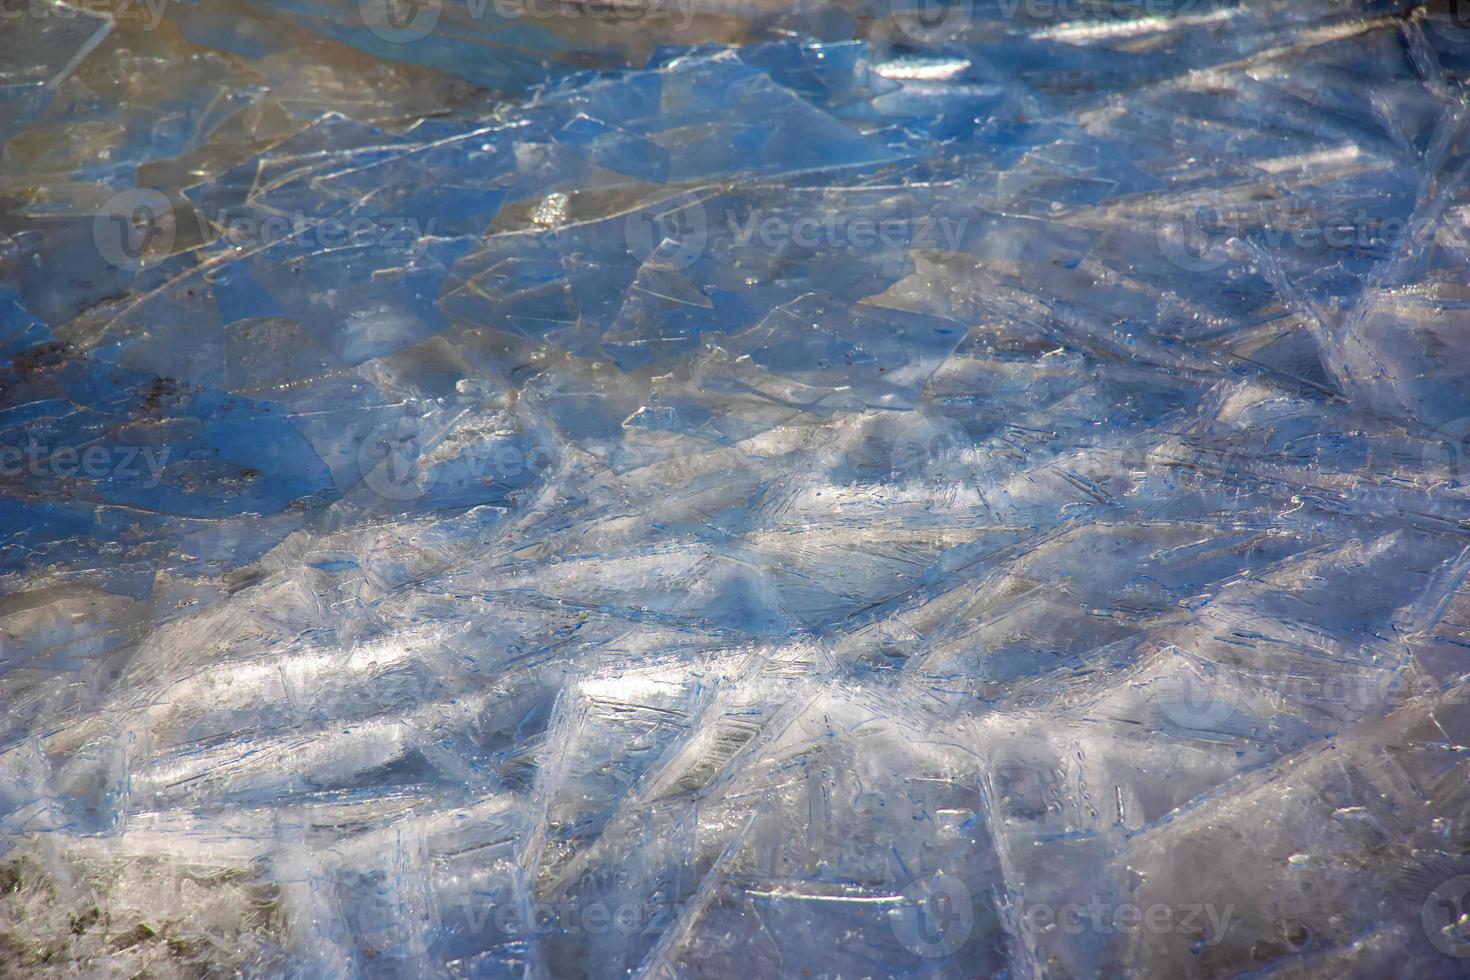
(783, 491)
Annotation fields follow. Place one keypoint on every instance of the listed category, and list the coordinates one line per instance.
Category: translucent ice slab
(734, 489)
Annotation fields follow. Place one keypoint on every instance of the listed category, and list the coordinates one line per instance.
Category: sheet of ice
(742, 489)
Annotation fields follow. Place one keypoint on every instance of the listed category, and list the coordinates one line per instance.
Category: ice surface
(734, 489)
